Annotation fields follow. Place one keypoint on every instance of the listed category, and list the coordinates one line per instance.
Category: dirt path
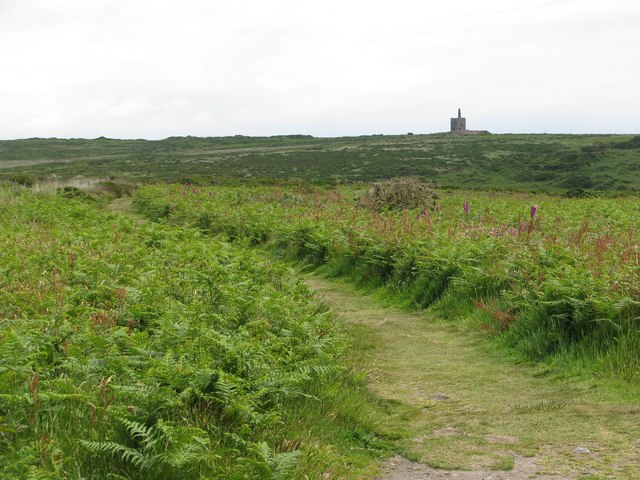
(470, 414)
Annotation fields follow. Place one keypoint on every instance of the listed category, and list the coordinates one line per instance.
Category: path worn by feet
(469, 413)
(124, 206)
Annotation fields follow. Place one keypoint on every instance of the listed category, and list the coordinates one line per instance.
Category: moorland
(160, 313)
(554, 163)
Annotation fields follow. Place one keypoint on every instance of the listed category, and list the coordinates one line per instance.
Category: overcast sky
(157, 68)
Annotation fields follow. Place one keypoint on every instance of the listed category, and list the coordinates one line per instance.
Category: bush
(399, 193)
(631, 144)
(576, 193)
(74, 192)
(20, 179)
(577, 181)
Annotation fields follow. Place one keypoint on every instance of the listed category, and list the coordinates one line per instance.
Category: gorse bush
(24, 180)
(552, 277)
(398, 194)
(74, 192)
(148, 351)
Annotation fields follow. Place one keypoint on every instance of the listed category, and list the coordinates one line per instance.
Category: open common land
(158, 320)
(556, 163)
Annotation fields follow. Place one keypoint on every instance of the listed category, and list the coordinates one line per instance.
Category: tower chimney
(459, 124)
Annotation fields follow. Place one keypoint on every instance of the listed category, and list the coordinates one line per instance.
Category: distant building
(459, 124)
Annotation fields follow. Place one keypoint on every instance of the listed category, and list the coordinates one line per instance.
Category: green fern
(126, 454)
(280, 464)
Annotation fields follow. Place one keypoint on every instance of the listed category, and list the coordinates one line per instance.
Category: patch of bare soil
(399, 468)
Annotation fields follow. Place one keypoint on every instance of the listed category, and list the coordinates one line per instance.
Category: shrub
(631, 144)
(399, 193)
(74, 192)
(576, 193)
(577, 181)
(20, 179)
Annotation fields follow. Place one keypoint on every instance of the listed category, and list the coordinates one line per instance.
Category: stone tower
(458, 124)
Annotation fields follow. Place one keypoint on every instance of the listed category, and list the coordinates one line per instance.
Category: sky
(159, 68)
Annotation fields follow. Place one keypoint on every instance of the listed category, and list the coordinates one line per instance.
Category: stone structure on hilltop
(459, 124)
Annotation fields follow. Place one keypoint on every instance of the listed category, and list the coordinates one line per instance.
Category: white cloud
(152, 69)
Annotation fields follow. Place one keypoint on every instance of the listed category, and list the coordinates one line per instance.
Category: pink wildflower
(534, 210)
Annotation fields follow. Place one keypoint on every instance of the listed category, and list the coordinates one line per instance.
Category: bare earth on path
(471, 414)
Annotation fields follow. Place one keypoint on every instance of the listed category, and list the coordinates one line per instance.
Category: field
(157, 320)
(555, 163)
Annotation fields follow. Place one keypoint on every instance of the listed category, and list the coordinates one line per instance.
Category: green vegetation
(466, 405)
(137, 350)
(555, 163)
(398, 193)
(556, 279)
(173, 348)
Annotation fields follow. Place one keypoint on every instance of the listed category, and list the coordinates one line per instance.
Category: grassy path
(464, 407)
(124, 206)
